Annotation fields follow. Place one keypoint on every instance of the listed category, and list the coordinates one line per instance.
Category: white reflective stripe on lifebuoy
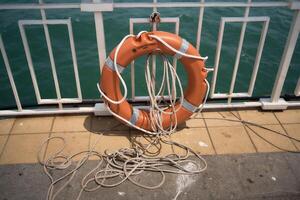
(183, 48)
(134, 116)
(110, 64)
(187, 105)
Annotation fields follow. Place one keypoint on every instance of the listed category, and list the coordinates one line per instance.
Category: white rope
(118, 74)
(112, 169)
(176, 51)
(115, 168)
(117, 71)
(128, 162)
(200, 108)
(155, 111)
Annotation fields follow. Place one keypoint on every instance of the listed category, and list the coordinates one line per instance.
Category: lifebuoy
(133, 48)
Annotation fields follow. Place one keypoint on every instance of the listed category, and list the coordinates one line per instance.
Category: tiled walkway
(20, 138)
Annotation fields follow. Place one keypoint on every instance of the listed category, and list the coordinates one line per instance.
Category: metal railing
(98, 7)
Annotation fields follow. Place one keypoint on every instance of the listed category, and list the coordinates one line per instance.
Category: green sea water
(116, 25)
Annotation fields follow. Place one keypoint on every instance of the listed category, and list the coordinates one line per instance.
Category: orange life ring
(131, 49)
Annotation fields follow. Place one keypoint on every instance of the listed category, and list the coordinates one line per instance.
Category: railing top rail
(275, 102)
(26, 6)
(201, 4)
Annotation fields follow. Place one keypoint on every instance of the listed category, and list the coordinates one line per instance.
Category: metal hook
(155, 17)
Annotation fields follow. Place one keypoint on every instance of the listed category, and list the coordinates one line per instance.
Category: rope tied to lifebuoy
(156, 111)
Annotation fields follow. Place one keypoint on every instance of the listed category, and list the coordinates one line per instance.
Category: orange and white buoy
(148, 43)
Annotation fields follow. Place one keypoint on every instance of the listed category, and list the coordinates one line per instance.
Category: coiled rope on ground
(128, 162)
(113, 169)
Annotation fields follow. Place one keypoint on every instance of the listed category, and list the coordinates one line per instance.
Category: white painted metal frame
(26, 6)
(10, 75)
(275, 102)
(100, 39)
(97, 8)
(286, 57)
(231, 94)
(199, 31)
(133, 21)
(59, 99)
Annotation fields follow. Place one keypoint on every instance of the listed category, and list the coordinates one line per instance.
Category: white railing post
(275, 102)
(100, 38)
(297, 90)
(10, 75)
(154, 28)
(100, 34)
(97, 7)
(200, 21)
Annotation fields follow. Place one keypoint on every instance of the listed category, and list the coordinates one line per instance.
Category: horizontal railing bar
(26, 6)
(47, 111)
(41, 22)
(87, 110)
(62, 100)
(223, 95)
(82, 110)
(198, 4)
(147, 98)
(245, 19)
(232, 105)
(146, 20)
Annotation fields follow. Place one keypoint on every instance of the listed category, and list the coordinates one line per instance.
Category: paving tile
(192, 123)
(6, 125)
(263, 146)
(294, 131)
(106, 123)
(3, 139)
(32, 125)
(110, 141)
(219, 118)
(288, 116)
(22, 148)
(75, 142)
(72, 123)
(231, 140)
(258, 117)
(195, 138)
